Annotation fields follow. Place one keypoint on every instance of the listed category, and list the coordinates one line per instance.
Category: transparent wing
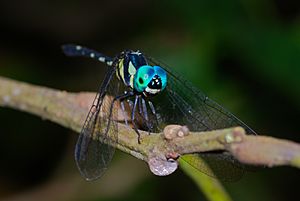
(182, 103)
(189, 106)
(95, 145)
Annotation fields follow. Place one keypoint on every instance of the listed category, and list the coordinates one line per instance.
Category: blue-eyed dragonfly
(156, 97)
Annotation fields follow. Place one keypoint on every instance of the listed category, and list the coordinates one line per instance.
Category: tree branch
(160, 150)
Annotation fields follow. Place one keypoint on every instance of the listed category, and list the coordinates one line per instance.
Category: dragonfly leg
(121, 97)
(152, 108)
(133, 118)
(145, 115)
(143, 112)
(139, 103)
(124, 113)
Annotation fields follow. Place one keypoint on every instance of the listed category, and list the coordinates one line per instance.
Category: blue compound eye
(150, 80)
(142, 78)
(162, 74)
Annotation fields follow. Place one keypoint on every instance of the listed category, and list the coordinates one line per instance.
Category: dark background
(244, 54)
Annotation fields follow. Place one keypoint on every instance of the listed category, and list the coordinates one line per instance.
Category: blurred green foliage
(244, 54)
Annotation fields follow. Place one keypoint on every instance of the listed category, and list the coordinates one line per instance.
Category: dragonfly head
(150, 80)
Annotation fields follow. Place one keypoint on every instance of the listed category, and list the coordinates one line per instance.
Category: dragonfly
(156, 96)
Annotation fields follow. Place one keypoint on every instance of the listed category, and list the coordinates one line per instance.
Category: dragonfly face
(150, 80)
(134, 71)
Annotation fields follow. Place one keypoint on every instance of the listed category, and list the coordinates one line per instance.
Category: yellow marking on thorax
(121, 70)
(131, 69)
(131, 81)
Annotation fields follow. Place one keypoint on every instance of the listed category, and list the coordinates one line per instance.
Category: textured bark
(70, 110)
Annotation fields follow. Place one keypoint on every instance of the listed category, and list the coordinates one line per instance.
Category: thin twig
(70, 110)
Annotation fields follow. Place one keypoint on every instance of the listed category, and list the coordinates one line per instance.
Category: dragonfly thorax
(134, 71)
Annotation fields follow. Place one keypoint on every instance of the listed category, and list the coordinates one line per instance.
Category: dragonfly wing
(95, 145)
(182, 103)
